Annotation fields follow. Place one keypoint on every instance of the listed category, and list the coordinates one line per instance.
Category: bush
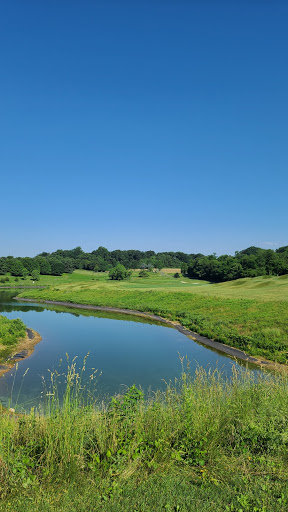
(143, 273)
(119, 273)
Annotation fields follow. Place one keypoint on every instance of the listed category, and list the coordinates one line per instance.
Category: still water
(124, 349)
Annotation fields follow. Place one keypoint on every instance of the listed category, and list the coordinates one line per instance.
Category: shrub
(143, 273)
(119, 273)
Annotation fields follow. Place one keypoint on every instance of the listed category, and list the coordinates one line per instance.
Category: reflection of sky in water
(125, 352)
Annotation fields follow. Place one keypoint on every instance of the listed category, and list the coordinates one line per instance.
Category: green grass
(11, 331)
(250, 314)
(203, 444)
(85, 276)
(77, 276)
(263, 288)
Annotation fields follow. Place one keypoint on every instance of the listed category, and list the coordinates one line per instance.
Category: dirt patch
(23, 349)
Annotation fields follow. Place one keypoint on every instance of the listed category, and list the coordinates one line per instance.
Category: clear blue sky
(145, 124)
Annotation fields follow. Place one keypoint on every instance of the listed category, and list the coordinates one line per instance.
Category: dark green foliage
(15, 266)
(119, 273)
(43, 265)
(250, 262)
(57, 266)
(25, 273)
(184, 268)
(143, 273)
(35, 275)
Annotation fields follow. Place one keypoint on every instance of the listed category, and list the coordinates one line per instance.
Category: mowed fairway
(250, 314)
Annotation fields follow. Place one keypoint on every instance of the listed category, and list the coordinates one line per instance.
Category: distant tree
(30, 264)
(100, 264)
(119, 273)
(25, 273)
(143, 273)
(68, 265)
(44, 265)
(35, 275)
(184, 268)
(159, 264)
(57, 266)
(16, 267)
(102, 252)
(3, 266)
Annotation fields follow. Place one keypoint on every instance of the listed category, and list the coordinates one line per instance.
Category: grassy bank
(10, 333)
(250, 314)
(202, 445)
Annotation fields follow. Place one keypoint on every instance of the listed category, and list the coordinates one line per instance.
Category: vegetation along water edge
(16, 342)
(220, 347)
(248, 314)
(202, 444)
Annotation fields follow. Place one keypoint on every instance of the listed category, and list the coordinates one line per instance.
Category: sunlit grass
(247, 314)
(204, 440)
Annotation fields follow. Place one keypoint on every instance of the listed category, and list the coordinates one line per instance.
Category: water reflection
(125, 349)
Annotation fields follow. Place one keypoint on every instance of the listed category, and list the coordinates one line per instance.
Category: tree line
(250, 262)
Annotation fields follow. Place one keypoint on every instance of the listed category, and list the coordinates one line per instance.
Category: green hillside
(250, 314)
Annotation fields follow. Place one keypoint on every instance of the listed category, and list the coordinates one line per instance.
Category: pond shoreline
(22, 350)
(221, 347)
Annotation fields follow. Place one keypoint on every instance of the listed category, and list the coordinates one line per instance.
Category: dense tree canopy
(250, 262)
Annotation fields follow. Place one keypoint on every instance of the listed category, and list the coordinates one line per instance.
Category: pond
(125, 350)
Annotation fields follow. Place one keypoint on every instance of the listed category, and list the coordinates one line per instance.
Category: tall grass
(203, 430)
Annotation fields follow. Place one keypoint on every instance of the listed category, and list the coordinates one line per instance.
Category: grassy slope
(250, 314)
(201, 446)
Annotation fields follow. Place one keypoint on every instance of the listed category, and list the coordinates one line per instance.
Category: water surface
(125, 349)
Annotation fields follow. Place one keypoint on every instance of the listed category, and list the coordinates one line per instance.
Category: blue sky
(146, 124)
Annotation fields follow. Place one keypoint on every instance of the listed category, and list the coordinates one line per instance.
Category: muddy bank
(22, 350)
(230, 351)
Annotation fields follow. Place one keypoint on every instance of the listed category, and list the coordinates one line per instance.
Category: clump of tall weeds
(204, 424)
